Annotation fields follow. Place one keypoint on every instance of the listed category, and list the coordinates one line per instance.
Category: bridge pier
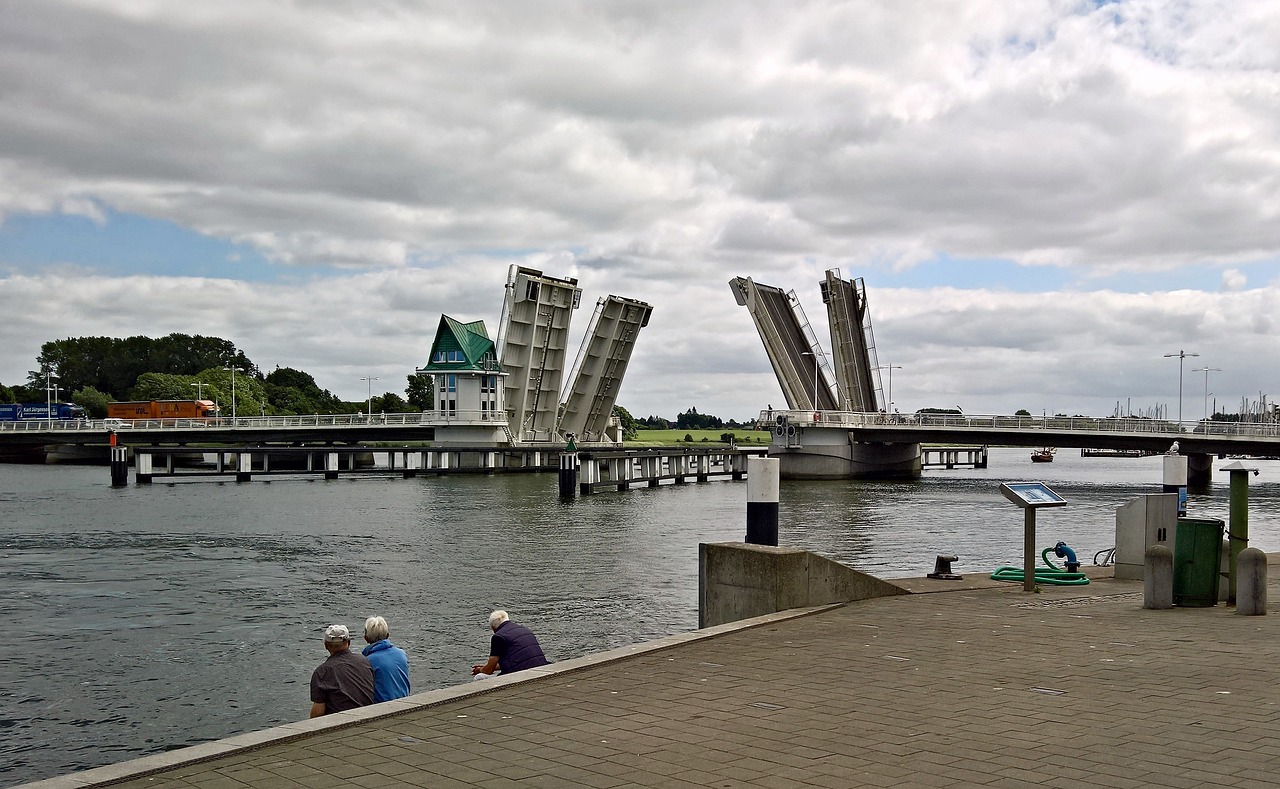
(1199, 471)
(830, 453)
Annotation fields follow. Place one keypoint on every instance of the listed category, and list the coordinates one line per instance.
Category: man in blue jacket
(512, 648)
(390, 664)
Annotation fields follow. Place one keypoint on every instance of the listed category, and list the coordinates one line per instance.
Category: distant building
(468, 381)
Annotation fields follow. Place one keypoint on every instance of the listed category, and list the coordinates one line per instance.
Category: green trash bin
(1197, 561)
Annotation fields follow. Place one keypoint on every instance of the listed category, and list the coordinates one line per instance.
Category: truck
(163, 409)
(17, 412)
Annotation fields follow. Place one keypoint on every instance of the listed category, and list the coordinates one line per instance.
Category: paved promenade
(1078, 686)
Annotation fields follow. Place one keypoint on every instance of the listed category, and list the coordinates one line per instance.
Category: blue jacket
(390, 670)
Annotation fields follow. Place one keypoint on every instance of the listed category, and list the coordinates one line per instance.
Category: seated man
(513, 647)
(345, 680)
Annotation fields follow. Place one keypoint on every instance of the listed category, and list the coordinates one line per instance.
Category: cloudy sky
(1043, 198)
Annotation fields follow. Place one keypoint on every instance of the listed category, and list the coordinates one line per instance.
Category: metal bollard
(1251, 582)
(1157, 577)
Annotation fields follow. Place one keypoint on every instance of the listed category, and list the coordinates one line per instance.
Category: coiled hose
(1051, 575)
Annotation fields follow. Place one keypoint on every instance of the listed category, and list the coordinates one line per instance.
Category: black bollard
(119, 467)
(762, 501)
(568, 474)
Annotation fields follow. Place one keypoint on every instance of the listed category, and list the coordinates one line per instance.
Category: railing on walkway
(1081, 424)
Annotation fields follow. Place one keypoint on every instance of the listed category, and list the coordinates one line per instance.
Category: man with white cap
(345, 680)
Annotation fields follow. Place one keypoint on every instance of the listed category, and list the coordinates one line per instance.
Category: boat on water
(1043, 455)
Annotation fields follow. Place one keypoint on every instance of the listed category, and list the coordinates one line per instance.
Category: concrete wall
(739, 581)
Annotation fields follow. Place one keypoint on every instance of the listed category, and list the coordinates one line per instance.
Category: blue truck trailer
(18, 412)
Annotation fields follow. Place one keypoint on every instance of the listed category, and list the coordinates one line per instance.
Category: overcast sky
(1043, 198)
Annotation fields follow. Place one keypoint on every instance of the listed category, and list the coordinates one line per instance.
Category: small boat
(1043, 455)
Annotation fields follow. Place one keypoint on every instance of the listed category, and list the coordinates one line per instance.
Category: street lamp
(890, 368)
(199, 385)
(1206, 371)
(816, 407)
(48, 393)
(370, 380)
(233, 391)
(1181, 355)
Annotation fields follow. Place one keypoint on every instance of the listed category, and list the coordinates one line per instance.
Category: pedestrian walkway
(993, 687)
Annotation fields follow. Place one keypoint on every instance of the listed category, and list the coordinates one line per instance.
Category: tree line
(94, 371)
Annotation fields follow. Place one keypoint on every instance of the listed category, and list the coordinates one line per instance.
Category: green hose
(1051, 575)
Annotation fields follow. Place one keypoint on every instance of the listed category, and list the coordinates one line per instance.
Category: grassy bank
(666, 438)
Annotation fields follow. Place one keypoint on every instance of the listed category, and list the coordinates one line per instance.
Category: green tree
(113, 365)
(163, 386)
(6, 394)
(1022, 412)
(629, 423)
(421, 392)
(92, 401)
(392, 403)
(290, 391)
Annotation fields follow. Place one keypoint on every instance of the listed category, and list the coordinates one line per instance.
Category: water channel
(143, 619)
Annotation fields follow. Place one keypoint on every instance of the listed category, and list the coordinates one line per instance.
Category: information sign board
(1031, 494)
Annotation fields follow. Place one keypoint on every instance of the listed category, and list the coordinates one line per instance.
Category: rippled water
(146, 619)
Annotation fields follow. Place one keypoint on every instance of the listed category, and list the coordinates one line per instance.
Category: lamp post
(48, 393)
(816, 407)
(370, 379)
(233, 392)
(1206, 371)
(1181, 355)
(890, 368)
(199, 385)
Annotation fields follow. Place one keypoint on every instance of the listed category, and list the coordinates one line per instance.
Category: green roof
(462, 346)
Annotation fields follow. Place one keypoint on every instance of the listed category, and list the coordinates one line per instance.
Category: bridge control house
(468, 382)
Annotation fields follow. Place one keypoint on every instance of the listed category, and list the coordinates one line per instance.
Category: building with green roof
(468, 384)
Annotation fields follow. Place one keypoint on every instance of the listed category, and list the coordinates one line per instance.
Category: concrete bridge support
(830, 453)
(1199, 471)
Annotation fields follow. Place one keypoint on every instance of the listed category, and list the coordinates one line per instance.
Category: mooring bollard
(1251, 582)
(568, 474)
(762, 501)
(119, 466)
(1157, 577)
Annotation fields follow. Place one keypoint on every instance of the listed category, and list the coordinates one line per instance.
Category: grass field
(661, 438)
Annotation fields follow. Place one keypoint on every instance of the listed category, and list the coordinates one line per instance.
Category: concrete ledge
(206, 751)
(739, 581)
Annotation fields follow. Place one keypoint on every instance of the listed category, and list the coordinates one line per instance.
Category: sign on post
(1030, 496)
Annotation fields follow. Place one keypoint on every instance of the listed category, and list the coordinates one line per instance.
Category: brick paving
(987, 687)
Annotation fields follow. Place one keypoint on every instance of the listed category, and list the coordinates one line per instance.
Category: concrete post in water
(119, 466)
(331, 465)
(1157, 577)
(762, 501)
(1175, 479)
(244, 467)
(142, 467)
(1238, 530)
(568, 474)
(1252, 568)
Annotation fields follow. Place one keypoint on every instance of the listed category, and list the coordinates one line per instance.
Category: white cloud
(1233, 279)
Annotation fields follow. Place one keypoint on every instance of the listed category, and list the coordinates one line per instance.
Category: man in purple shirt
(513, 647)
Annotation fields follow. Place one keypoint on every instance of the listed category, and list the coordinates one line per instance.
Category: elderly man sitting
(345, 680)
(513, 648)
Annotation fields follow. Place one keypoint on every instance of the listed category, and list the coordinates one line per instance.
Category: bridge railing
(1130, 425)
(423, 419)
